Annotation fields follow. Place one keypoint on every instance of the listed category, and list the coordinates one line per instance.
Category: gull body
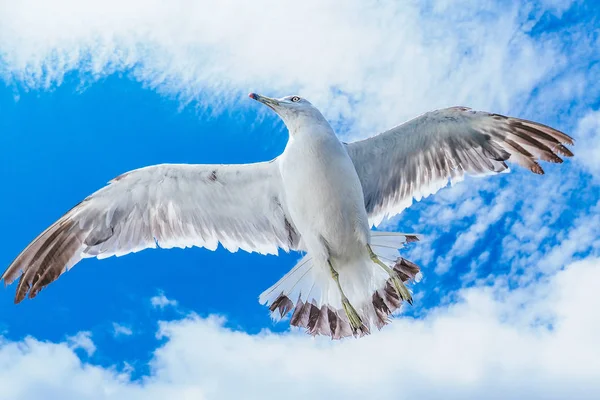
(319, 197)
(325, 200)
(323, 193)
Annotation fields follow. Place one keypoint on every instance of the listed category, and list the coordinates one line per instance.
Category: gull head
(295, 111)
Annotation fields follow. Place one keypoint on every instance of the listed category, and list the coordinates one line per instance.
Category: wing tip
(536, 168)
(22, 289)
(531, 141)
(412, 238)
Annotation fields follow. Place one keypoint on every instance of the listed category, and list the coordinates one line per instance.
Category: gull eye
(295, 99)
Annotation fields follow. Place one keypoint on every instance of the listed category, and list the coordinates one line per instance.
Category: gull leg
(398, 284)
(355, 321)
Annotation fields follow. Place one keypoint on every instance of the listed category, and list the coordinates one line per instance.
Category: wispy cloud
(588, 134)
(374, 63)
(484, 217)
(161, 301)
(121, 330)
(82, 340)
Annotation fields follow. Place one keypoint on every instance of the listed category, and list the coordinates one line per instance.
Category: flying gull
(320, 197)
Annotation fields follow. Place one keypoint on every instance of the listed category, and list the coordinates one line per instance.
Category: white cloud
(529, 225)
(161, 301)
(466, 240)
(121, 330)
(537, 342)
(588, 135)
(376, 63)
(82, 340)
(584, 235)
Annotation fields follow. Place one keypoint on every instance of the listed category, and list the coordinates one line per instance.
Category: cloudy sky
(508, 307)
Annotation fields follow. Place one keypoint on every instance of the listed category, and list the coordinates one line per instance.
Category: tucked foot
(356, 322)
(395, 278)
(401, 287)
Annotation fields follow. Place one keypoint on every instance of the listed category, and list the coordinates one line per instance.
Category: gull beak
(269, 102)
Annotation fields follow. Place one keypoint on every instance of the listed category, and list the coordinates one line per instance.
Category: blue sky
(89, 90)
(112, 127)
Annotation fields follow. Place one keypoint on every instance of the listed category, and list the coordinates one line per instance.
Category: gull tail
(310, 294)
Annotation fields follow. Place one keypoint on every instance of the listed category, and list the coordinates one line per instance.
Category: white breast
(323, 193)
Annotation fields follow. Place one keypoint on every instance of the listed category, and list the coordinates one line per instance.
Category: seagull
(320, 197)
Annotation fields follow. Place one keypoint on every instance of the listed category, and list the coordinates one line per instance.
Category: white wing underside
(419, 157)
(167, 205)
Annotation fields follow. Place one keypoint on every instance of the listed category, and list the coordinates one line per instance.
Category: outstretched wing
(416, 159)
(168, 206)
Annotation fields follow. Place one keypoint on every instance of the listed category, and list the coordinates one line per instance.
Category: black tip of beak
(253, 96)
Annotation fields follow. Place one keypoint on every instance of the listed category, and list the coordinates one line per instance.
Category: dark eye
(295, 99)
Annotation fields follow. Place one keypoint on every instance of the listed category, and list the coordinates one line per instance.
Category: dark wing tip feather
(560, 136)
(537, 129)
(530, 141)
(411, 238)
(22, 289)
(537, 169)
(44, 259)
(563, 151)
(14, 270)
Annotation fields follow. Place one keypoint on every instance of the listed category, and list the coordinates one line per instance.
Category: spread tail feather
(311, 295)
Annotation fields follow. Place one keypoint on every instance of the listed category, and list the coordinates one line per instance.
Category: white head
(293, 110)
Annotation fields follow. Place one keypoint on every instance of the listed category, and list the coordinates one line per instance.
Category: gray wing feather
(168, 206)
(416, 159)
